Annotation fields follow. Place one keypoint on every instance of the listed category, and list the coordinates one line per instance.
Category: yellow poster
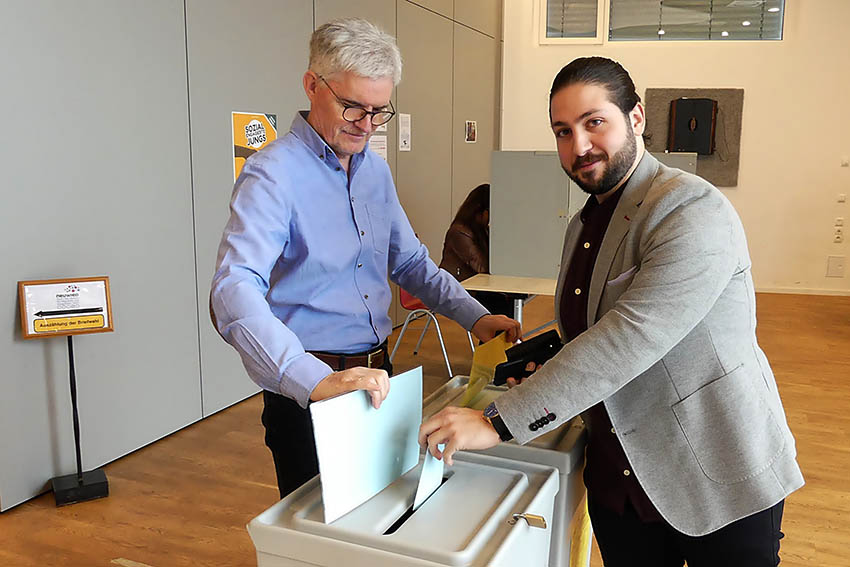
(251, 132)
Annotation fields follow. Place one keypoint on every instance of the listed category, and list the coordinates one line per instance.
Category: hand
(459, 429)
(489, 326)
(374, 380)
(530, 367)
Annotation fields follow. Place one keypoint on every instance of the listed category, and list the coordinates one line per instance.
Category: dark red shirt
(607, 474)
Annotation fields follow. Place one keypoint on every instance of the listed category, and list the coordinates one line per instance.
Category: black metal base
(68, 489)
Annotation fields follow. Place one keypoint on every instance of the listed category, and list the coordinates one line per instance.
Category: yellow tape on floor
(580, 536)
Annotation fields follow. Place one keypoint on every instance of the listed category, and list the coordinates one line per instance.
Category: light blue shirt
(304, 260)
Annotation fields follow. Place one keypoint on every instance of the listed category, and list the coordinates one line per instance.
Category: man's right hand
(374, 380)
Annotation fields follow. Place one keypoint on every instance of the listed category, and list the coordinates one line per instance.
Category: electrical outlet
(835, 266)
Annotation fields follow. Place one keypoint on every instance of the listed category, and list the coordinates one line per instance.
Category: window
(572, 21)
(581, 21)
(664, 20)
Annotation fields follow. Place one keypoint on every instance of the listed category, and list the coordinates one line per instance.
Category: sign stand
(82, 486)
(69, 307)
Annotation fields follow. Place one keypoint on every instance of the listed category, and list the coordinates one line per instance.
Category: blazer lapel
(570, 238)
(633, 195)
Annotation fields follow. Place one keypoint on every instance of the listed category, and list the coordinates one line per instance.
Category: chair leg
(422, 336)
(471, 344)
(442, 344)
(413, 315)
(401, 334)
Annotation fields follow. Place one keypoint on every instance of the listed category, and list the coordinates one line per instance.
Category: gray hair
(355, 45)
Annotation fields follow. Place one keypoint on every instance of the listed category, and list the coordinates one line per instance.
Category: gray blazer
(671, 350)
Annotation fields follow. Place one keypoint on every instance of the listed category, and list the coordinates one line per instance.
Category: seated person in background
(466, 250)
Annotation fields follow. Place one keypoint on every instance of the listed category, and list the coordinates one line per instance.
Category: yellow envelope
(484, 362)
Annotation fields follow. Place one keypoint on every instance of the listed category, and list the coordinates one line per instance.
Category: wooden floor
(185, 500)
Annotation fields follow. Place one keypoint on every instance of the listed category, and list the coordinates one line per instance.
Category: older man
(689, 455)
(300, 288)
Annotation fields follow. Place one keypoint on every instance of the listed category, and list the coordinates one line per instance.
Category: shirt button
(362, 233)
(321, 156)
(627, 472)
(359, 265)
(587, 244)
(366, 296)
(352, 199)
(612, 430)
(578, 291)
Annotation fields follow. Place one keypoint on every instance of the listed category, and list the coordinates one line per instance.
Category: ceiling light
(661, 32)
(745, 23)
(724, 33)
(774, 9)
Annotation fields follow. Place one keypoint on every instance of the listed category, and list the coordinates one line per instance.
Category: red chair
(418, 310)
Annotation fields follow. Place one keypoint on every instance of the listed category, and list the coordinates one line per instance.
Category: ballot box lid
(462, 523)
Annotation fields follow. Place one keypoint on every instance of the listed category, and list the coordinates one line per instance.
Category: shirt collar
(302, 129)
(608, 205)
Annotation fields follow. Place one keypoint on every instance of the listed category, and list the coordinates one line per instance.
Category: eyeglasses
(354, 113)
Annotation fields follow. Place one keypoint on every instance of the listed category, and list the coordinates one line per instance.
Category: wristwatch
(491, 414)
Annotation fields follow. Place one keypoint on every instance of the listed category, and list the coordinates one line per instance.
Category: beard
(616, 168)
(343, 145)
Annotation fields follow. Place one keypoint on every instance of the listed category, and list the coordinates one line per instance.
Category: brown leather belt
(370, 359)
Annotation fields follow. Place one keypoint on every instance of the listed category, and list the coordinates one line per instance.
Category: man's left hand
(489, 326)
(459, 429)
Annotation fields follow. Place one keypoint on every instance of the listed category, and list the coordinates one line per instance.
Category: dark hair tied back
(603, 72)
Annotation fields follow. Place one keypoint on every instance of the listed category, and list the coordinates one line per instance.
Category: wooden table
(520, 289)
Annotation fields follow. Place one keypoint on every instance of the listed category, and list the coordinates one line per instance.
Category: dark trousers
(289, 436)
(625, 540)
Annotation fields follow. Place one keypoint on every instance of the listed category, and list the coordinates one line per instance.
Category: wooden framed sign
(72, 306)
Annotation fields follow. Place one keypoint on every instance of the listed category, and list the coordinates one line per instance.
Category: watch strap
(491, 414)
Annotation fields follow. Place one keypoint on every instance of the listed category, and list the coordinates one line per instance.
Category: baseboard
(803, 291)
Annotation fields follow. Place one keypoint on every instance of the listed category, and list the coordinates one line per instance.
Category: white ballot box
(489, 510)
(562, 448)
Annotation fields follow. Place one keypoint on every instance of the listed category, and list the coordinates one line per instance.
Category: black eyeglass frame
(362, 111)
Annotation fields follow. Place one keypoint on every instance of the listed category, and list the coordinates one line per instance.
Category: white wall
(796, 124)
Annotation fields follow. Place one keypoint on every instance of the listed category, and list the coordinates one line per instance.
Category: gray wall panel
(96, 160)
(444, 7)
(424, 174)
(483, 15)
(101, 178)
(240, 59)
(474, 95)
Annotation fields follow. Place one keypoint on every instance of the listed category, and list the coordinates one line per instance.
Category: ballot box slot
(410, 511)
